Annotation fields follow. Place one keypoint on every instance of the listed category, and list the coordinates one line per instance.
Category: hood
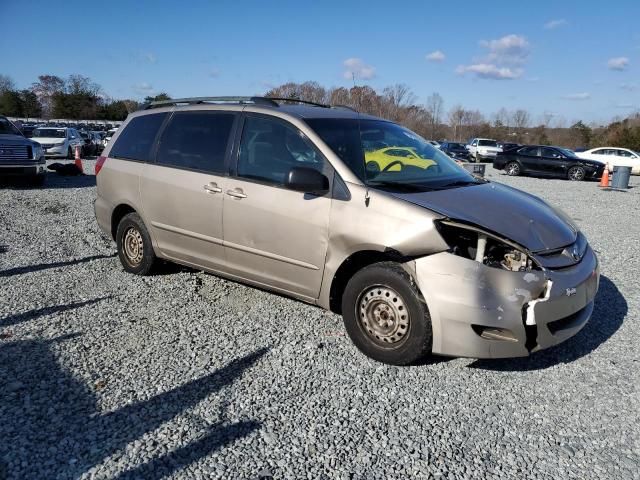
(510, 213)
(14, 140)
(48, 140)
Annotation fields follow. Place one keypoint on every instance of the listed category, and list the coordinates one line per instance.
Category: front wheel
(512, 169)
(386, 316)
(134, 245)
(576, 174)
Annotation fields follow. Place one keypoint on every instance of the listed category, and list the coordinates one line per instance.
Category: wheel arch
(351, 265)
(118, 214)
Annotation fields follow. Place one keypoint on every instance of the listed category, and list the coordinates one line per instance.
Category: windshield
(456, 146)
(487, 143)
(49, 133)
(386, 155)
(6, 127)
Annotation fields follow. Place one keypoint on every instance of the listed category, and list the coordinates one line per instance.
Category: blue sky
(576, 60)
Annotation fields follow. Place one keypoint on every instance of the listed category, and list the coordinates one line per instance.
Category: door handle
(236, 193)
(212, 188)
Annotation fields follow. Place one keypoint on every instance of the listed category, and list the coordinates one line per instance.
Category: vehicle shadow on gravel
(54, 181)
(608, 314)
(39, 312)
(51, 425)
(44, 266)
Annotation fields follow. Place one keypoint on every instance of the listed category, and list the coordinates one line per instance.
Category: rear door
(530, 159)
(272, 235)
(182, 192)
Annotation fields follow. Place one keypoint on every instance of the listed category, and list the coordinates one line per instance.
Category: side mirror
(307, 180)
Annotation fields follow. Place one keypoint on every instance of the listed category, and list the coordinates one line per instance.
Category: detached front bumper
(483, 312)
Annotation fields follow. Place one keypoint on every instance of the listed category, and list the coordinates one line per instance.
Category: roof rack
(201, 100)
(267, 101)
(295, 100)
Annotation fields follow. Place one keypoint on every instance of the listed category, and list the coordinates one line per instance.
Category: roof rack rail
(201, 100)
(296, 100)
(346, 107)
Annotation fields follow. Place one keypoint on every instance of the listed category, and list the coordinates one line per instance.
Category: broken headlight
(475, 244)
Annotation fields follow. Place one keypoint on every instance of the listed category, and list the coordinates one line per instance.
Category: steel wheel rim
(383, 316)
(513, 169)
(133, 246)
(576, 174)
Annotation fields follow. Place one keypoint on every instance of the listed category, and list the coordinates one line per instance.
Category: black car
(542, 160)
(455, 150)
(508, 146)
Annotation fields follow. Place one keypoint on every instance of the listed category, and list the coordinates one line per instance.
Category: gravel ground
(185, 375)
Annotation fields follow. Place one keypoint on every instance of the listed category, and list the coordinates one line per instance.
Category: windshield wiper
(460, 183)
(407, 187)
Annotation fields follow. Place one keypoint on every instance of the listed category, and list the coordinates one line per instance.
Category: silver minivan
(352, 213)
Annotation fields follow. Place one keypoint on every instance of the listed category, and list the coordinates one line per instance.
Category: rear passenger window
(136, 141)
(196, 140)
(531, 151)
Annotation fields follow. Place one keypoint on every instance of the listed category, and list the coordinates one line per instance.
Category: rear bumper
(482, 312)
(103, 211)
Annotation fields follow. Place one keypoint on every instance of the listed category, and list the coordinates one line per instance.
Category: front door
(275, 236)
(182, 193)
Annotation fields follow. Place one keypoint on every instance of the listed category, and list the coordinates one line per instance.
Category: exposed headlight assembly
(472, 242)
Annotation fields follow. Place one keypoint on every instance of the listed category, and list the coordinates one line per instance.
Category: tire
(576, 173)
(381, 293)
(135, 248)
(70, 155)
(513, 169)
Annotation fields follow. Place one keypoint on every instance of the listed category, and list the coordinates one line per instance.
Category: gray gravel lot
(185, 375)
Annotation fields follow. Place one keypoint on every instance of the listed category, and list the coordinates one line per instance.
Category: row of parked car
(543, 160)
(61, 140)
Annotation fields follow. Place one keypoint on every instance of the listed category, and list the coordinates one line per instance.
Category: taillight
(99, 164)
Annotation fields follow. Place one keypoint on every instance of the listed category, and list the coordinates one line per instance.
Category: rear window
(196, 140)
(136, 141)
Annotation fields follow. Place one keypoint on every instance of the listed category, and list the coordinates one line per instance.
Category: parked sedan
(58, 142)
(455, 150)
(542, 160)
(614, 156)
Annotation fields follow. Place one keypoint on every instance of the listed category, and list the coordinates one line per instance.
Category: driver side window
(270, 148)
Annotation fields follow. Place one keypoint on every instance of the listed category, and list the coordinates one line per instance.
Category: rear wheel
(512, 169)
(576, 173)
(135, 249)
(386, 316)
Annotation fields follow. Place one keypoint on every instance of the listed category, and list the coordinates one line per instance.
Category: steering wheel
(393, 164)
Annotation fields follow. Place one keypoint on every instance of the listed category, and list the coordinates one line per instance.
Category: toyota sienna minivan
(349, 212)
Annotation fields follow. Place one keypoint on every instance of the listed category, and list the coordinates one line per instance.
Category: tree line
(432, 120)
(78, 97)
(75, 98)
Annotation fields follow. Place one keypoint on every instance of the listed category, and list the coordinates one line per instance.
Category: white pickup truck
(483, 149)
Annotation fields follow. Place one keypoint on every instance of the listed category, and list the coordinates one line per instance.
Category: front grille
(11, 153)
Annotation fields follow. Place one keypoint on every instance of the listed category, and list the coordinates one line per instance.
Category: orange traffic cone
(604, 180)
(78, 162)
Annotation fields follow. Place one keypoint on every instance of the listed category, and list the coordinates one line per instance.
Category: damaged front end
(490, 297)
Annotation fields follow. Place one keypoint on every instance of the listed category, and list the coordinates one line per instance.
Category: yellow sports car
(392, 159)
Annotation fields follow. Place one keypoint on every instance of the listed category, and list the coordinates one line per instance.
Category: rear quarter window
(136, 140)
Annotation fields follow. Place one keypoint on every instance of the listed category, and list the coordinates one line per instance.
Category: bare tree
(6, 84)
(435, 107)
(45, 88)
(456, 118)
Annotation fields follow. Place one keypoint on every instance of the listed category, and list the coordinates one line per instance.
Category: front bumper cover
(483, 312)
